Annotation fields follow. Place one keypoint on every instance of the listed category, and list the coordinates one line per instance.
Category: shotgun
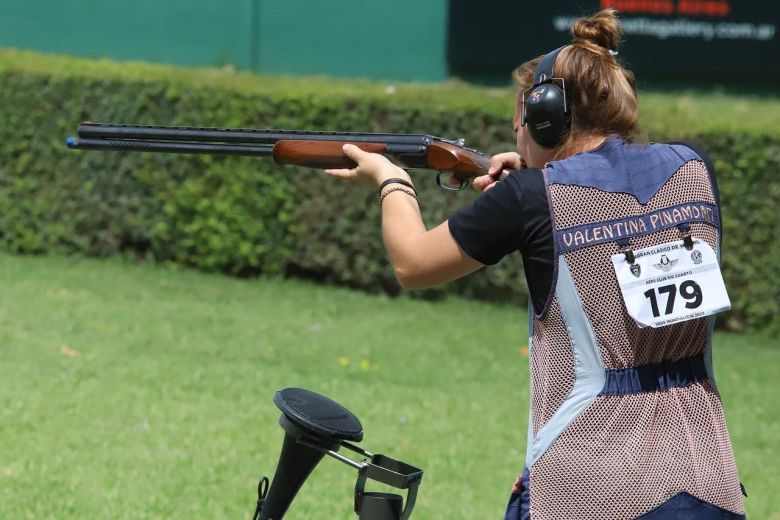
(301, 148)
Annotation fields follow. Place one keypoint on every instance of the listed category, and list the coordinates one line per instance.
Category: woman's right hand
(500, 166)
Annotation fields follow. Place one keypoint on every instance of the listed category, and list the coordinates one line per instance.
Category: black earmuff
(544, 104)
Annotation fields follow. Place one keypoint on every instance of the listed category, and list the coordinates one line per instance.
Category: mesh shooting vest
(622, 418)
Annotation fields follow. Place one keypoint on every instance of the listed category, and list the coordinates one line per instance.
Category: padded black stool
(316, 426)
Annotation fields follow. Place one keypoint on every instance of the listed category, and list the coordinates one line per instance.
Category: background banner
(664, 40)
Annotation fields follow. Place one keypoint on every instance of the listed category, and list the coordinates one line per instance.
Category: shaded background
(666, 41)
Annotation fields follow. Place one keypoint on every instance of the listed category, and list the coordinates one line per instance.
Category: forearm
(402, 224)
(421, 258)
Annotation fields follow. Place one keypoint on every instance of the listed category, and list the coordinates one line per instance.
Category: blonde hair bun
(602, 29)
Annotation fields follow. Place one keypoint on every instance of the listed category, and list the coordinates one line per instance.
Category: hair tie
(593, 47)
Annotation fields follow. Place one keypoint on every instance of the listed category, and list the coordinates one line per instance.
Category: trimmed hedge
(247, 216)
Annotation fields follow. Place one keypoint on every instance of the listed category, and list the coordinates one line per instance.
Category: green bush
(248, 216)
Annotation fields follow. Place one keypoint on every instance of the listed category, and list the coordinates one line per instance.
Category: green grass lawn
(135, 391)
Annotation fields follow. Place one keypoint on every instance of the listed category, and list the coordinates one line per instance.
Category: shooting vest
(622, 418)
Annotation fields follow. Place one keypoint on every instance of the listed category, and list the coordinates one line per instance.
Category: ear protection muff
(544, 104)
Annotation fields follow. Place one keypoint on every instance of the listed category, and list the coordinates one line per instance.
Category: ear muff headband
(544, 70)
(544, 104)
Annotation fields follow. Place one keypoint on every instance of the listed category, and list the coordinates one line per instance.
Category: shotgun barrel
(142, 145)
(315, 149)
(240, 135)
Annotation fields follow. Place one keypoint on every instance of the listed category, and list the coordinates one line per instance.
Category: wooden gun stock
(464, 163)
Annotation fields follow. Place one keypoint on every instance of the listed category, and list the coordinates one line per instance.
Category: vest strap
(655, 377)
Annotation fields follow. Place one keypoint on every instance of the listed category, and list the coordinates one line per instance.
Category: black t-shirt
(515, 216)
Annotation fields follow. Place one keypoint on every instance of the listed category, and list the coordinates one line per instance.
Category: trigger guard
(443, 185)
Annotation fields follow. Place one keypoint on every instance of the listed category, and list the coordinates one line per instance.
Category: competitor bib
(667, 283)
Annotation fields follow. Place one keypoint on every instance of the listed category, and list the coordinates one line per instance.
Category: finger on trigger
(481, 182)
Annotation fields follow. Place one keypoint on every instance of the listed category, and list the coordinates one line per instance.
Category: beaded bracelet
(397, 181)
(391, 190)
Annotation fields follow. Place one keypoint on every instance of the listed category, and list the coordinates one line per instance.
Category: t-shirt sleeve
(499, 221)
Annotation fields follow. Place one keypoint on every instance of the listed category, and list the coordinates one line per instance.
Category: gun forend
(320, 154)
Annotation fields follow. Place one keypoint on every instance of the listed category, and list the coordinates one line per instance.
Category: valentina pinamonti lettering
(596, 233)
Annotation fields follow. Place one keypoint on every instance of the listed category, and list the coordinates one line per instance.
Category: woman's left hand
(372, 168)
(500, 165)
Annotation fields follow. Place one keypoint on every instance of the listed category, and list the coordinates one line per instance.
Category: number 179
(689, 290)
